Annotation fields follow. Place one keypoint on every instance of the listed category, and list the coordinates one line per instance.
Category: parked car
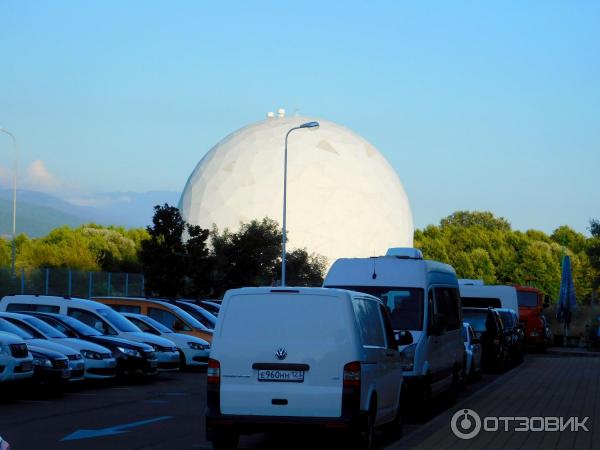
(16, 363)
(99, 362)
(98, 316)
(133, 358)
(302, 356)
(472, 352)
(547, 332)
(165, 312)
(213, 306)
(513, 333)
(76, 363)
(424, 303)
(199, 312)
(488, 327)
(193, 351)
(50, 367)
(476, 294)
(4, 445)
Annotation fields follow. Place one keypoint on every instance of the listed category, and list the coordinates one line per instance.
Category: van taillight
(352, 374)
(213, 372)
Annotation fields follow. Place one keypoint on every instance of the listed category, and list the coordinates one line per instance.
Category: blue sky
(478, 105)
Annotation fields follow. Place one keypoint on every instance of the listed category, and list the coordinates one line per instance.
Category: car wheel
(394, 428)
(364, 437)
(225, 440)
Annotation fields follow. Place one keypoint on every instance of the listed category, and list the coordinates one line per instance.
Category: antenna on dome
(270, 115)
(281, 113)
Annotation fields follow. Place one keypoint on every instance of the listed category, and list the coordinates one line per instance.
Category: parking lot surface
(168, 413)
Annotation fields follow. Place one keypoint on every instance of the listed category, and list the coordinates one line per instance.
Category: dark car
(133, 358)
(488, 327)
(49, 367)
(513, 333)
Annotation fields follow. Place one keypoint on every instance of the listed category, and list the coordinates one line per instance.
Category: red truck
(531, 305)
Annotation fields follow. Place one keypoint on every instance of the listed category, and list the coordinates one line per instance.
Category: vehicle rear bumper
(351, 418)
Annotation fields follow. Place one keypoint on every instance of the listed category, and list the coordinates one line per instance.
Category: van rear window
(404, 304)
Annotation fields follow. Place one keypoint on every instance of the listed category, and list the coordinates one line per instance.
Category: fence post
(90, 283)
(46, 280)
(22, 281)
(109, 281)
(70, 283)
(126, 285)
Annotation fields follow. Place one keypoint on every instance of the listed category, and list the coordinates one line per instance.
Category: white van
(98, 316)
(424, 303)
(476, 294)
(16, 363)
(301, 356)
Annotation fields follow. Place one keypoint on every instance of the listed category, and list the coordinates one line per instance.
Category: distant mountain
(38, 213)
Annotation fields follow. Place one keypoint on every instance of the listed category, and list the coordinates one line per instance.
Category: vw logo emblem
(281, 354)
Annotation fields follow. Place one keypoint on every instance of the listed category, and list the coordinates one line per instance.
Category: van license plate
(293, 376)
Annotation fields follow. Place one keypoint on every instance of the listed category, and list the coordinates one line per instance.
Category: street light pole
(14, 217)
(283, 235)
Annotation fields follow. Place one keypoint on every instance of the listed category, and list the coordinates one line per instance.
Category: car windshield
(81, 327)
(155, 324)
(507, 319)
(404, 304)
(118, 321)
(8, 327)
(527, 299)
(44, 328)
(476, 319)
(188, 318)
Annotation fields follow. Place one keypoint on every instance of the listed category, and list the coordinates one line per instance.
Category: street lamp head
(310, 125)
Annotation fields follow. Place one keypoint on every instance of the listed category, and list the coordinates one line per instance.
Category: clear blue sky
(478, 105)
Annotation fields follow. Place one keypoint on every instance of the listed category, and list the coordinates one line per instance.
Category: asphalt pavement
(166, 413)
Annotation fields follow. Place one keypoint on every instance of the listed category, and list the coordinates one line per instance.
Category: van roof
(389, 271)
(295, 290)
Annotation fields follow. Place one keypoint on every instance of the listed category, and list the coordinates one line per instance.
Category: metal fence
(73, 283)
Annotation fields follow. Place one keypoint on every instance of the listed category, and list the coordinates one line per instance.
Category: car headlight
(197, 346)
(90, 354)
(129, 352)
(407, 357)
(41, 361)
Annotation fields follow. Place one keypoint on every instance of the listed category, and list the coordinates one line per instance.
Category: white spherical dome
(343, 197)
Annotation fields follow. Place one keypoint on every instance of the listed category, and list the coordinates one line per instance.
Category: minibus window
(404, 304)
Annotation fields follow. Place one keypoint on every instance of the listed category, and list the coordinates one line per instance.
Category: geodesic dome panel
(343, 197)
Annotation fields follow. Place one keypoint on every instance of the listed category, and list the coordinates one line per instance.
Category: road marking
(111, 431)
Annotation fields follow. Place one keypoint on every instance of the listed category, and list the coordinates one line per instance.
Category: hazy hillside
(38, 213)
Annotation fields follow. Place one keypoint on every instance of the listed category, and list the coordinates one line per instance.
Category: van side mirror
(546, 301)
(404, 338)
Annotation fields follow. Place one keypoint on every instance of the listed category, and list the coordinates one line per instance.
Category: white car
(99, 316)
(302, 356)
(76, 363)
(194, 351)
(472, 352)
(99, 361)
(16, 363)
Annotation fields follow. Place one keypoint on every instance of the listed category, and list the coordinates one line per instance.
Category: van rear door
(283, 353)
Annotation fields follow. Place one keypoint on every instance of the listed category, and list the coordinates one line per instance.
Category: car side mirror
(476, 341)
(404, 338)
(178, 325)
